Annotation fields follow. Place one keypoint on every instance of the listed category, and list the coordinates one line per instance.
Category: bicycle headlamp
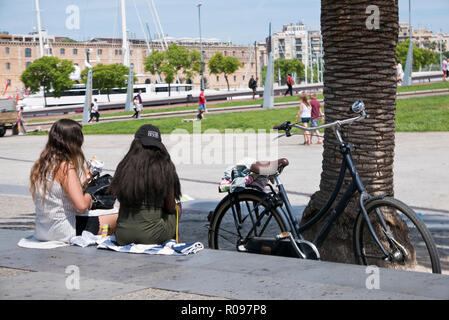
(358, 107)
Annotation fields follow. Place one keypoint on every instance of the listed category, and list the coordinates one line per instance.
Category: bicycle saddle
(268, 168)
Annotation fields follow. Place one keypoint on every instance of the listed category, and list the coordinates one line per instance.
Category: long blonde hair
(303, 99)
(64, 146)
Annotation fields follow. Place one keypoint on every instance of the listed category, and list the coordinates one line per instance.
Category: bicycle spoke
(242, 221)
(402, 234)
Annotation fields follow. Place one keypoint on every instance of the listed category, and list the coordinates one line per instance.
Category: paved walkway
(421, 175)
(208, 274)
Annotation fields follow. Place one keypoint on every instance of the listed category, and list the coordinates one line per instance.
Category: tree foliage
(107, 77)
(421, 57)
(284, 67)
(174, 61)
(220, 64)
(51, 73)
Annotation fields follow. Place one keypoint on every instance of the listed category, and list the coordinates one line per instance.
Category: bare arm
(72, 186)
(298, 116)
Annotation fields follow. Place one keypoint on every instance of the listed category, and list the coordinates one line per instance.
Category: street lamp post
(409, 62)
(201, 46)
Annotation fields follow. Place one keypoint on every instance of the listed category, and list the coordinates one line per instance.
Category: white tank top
(55, 215)
(306, 111)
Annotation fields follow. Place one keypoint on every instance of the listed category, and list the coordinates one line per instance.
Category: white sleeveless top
(55, 215)
(306, 111)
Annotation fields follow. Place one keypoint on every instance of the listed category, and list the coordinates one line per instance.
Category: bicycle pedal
(283, 235)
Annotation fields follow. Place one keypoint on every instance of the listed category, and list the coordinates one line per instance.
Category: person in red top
(315, 115)
(202, 105)
(290, 84)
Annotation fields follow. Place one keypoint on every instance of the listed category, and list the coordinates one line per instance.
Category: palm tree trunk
(359, 65)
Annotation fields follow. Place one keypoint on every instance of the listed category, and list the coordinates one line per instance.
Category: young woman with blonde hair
(305, 113)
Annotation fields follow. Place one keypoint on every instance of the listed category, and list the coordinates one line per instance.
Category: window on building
(75, 51)
(8, 66)
(8, 82)
(243, 78)
(99, 51)
(27, 64)
(130, 52)
(218, 78)
(235, 78)
(7, 50)
(28, 52)
(62, 51)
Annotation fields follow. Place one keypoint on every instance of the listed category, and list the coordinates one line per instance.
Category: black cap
(149, 136)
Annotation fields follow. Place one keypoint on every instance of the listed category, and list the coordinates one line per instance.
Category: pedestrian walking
(201, 106)
(290, 84)
(21, 122)
(305, 113)
(138, 106)
(94, 111)
(316, 114)
(252, 84)
(445, 70)
(399, 73)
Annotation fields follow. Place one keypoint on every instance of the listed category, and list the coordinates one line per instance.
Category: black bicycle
(386, 231)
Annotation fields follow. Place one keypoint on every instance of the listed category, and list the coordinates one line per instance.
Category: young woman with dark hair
(147, 186)
(57, 180)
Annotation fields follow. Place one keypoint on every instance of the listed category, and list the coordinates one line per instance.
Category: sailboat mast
(125, 44)
(39, 29)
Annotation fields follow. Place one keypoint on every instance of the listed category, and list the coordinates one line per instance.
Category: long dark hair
(64, 145)
(146, 175)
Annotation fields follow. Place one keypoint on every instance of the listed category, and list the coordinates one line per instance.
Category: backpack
(251, 83)
(98, 189)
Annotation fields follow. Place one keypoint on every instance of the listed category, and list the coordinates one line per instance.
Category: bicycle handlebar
(358, 106)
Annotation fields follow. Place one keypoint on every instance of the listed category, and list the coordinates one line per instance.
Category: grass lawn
(279, 99)
(423, 114)
(413, 114)
(427, 86)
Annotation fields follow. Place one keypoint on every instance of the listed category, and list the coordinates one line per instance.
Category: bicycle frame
(355, 185)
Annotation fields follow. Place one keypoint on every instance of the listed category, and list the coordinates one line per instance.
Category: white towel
(33, 243)
(170, 247)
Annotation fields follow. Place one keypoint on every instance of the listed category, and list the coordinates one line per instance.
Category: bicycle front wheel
(242, 217)
(402, 233)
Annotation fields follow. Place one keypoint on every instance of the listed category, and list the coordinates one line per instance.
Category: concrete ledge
(41, 274)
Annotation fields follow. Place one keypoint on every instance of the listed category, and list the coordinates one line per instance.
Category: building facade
(18, 51)
(424, 38)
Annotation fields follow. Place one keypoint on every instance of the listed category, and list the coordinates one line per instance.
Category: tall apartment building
(18, 51)
(423, 38)
(294, 41)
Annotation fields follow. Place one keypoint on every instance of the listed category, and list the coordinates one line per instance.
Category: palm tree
(360, 65)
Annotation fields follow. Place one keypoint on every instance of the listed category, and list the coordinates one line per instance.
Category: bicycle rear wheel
(235, 222)
(403, 234)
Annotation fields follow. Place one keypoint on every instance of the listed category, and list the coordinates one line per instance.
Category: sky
(239, 21)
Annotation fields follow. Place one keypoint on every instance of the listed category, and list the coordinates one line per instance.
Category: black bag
(251, 83)
(98, 189)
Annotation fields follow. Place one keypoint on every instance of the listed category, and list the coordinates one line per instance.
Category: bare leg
(110, 219)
